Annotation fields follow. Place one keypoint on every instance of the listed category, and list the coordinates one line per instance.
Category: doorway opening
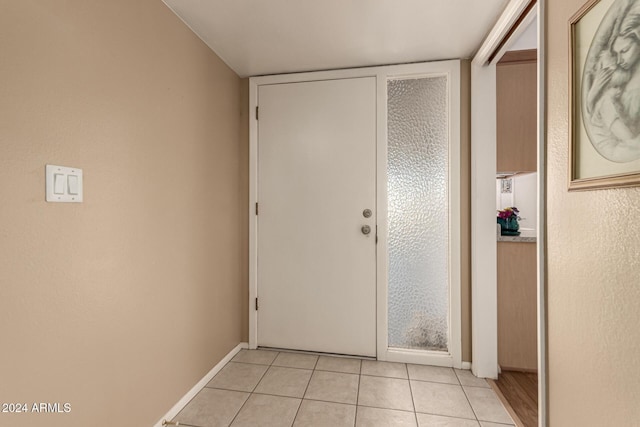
(516, 197)
(508, 276)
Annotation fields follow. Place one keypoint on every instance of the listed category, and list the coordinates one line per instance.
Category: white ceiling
(257, 37)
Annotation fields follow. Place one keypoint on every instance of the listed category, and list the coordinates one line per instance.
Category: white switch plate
(72, 180)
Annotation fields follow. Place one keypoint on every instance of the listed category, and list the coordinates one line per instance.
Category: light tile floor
(269, 388)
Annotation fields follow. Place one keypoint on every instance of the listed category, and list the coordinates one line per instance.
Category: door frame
(483, 157)
(382, 74)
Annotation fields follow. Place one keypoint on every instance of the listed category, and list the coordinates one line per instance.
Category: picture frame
(604, 73)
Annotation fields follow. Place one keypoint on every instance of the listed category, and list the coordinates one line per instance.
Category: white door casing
(451, 69)
(483, 142)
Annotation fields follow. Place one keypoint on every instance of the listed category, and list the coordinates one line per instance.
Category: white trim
(466, 366)
(484, 304)
(484, 329)
(452, 70)
(382, 254)
(395, 71)
(253, 218)
(542, 227)
(199, 386)
(455, 305)
(510, 15)
(420, 357)
(531, 16)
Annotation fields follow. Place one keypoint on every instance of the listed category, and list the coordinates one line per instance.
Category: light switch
(63, 184)
(58, 183)
(73, 184)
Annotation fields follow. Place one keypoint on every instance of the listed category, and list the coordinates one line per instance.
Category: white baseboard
(466, 365)
(196, 388)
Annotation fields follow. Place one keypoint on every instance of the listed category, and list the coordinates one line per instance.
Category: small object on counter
(508, 220)
(509, 233)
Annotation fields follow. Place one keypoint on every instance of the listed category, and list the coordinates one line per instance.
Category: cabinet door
(517, 288)
(516, 84)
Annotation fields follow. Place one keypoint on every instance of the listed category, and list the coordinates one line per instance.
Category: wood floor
(520, 390)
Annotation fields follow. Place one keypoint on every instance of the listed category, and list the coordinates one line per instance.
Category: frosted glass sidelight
(418, 213)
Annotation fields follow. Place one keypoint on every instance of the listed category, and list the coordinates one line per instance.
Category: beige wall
(118, 305)
(593, 272)
(244, 180)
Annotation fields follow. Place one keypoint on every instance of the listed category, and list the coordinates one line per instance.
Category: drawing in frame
(604, 99)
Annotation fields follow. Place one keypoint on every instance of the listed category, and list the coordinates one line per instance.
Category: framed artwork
(604, 99)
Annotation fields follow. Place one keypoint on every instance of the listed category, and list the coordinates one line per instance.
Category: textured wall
(593, 272)
(118, 305)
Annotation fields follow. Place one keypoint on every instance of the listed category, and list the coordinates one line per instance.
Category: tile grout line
(413, 402)
(232, 389)
(385, 376)
(336, 372)
(251, 393)
(317, 353)
(456, 418)
(187, 404)
(305, 392)
(240, 409)
(292, 367)
(506, 406)
(355, 419)
(468, 385)
(331, 401)
(457, 378)
(293, 421)
(257, 383)
(387, 409)
(472, 409)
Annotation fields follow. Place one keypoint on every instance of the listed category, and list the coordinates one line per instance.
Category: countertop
(526, 236)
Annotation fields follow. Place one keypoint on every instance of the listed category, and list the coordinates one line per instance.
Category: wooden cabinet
(517, 306)
(516, 92)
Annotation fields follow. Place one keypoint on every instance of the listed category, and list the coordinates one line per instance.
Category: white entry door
(316, 264)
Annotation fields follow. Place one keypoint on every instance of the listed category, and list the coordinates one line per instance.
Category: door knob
(367, 213)
(366, 229)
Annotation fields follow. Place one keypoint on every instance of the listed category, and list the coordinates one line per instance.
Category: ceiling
(257, 37)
